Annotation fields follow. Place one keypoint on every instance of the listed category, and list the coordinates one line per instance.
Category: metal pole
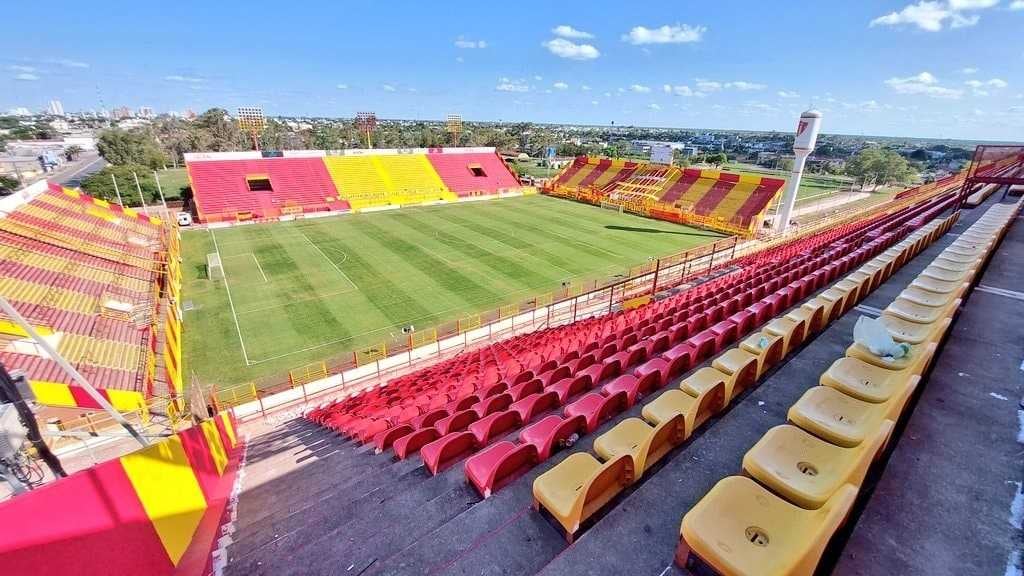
(116, 189)
(141, 199)
(75, 375)
(160, 190)
(657, 269)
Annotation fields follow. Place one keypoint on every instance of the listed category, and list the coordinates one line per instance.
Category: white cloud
(538, 78)
(20, 68)
(932, 15)
(560, 86)
(342, 86)
(388, 88)
(461, 42)
(594, 102)
(708, 85)
(26, 77)
(67, 63)
(922, 84)
(639, 88)
(566, 49)
(680, 90)
(585, 88)
(654, 106)
(980, 87)
(186, 79)
(566, 31)
(787, 94)
(969, 70)
(678, 34)
(971, 4)
(460, 59)
(925, 15)
(745, 86)
(1017, 5)
(510, 85)
(961, 21)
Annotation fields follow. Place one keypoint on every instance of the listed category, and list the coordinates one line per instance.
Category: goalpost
(617, 207)
(214, 268)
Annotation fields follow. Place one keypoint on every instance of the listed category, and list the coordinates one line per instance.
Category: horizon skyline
(572, 67)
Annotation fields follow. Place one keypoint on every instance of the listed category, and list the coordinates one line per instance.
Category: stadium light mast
(366, 122)
(806, 137)
(454, 127)
(252, 120)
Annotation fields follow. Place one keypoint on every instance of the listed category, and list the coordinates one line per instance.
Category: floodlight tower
(454, 127)
(806, 137)
(366, 122)
(252, 120)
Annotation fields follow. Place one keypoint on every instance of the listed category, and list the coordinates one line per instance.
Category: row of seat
(581, 484)
(374, 412)
(801, 479)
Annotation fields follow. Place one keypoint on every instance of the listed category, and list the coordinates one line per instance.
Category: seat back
(662, 439)
(512, 465)
(709, 403)
(562, 435)
(609, 480)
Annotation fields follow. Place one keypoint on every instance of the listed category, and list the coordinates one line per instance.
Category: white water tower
(806, 137)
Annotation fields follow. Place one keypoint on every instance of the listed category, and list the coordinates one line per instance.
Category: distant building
(121, 113)
(56, 108)
(19, 111)
(145, 112)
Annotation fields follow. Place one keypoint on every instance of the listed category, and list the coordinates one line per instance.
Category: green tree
(120, 147)
(880, 166)
(222, 132)
(100, 185)
(72, 152)
(8, 184)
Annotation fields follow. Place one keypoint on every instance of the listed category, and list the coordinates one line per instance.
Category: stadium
(418, 361)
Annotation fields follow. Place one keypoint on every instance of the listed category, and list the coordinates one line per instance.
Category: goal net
(617, 207)
(214, 268)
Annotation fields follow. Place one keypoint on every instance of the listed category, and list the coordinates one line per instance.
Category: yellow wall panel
(169, 492)
(217, 451)
(52, 393)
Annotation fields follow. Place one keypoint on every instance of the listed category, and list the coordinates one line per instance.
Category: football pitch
(306, 290)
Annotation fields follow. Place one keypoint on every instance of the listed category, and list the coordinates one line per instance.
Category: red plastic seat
(493, 390)
(520, 391)
(413, 442)
(524, 376)
(607, 350)
(535, 404)
(456, 422)
(744, 321)
(581, 363)
(725, 334)
(385, 439)
(633, 386)
(371, 429)
(629, 358)
(570, 387)
(596, 408)
(444, 451)
(494, 425)
(552, 376)
(703, 344)
(492, 405)
(495, 467)
(762, 311)
(600, 372)
(463, 403)
(553, 432)
(680, 359)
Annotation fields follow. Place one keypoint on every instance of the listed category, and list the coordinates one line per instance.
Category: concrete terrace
(938, 503)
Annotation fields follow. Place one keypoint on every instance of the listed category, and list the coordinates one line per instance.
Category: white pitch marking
(238, 329)
(331, 262)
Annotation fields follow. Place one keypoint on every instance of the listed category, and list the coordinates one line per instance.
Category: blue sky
(943, 68)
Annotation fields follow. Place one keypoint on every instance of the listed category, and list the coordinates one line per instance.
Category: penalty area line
(231, 302)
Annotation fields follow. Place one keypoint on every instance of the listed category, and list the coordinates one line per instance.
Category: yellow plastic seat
(740, 366)
(967, 250)
(879, 269)
(708, 378)
(933, 285)
(644, 444)
(946, 275)
(836, 298)
(579, 486)
(951, 266)
(807, 470)
(913, 312)
(958, 258)
(791, 331)
(844, 420)
(740, 528)
(767, 347)
(926, 298)
(820, 311)
(867, 382)
(916, 358)
(866, 279)
(675, 402)
(852, 290)
(808, 316)
(913, 333)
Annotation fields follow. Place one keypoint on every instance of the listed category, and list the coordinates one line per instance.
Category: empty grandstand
(733, 203)
(237, 186)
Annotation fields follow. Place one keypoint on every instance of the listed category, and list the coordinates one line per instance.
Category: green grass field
(301, 291)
